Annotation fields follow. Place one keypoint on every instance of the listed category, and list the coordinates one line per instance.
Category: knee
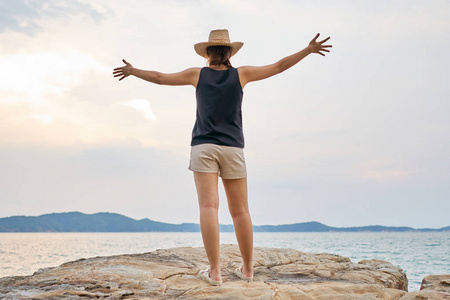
(238, 212)
(209, 204)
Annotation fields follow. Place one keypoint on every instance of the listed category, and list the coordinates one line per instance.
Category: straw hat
(217, 37)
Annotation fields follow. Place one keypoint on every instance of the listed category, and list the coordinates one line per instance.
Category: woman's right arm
(186, 77)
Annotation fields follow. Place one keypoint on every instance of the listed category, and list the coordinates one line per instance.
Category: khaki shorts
(228, 162)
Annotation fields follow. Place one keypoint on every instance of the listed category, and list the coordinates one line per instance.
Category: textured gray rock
(171, 273)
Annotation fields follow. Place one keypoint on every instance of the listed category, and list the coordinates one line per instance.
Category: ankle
(215, 274)
(247, 270)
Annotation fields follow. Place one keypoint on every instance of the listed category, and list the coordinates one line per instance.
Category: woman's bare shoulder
(251, 73)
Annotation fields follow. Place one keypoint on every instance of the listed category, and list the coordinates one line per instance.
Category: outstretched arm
(186, 77)
(248, 74)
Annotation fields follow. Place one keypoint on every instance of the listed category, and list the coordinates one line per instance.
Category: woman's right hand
(123, 71)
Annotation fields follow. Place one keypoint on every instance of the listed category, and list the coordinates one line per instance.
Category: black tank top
(219, 113)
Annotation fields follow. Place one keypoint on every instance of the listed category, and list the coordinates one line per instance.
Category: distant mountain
(441, 229)
(111, 222)
(298, 227)
(79, 222)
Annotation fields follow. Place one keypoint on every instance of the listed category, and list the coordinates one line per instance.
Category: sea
(418, 253)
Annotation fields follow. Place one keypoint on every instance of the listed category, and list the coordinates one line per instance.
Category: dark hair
(219, 55)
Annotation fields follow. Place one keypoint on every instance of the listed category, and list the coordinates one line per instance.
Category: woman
(217, 138)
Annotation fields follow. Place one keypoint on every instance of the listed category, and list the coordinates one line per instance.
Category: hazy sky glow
(359, 137)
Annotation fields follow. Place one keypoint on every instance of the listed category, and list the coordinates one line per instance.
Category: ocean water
(418, 253)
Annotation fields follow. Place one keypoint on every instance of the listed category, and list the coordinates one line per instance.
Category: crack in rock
(276, 291)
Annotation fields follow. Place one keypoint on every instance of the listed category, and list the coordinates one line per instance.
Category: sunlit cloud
(43, 118)
(33, 76)
(141, 105)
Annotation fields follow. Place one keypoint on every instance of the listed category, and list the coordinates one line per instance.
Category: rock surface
(171, 273)
(433, 287)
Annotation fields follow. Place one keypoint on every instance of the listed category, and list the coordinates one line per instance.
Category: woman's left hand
(123, 71)
(316, 47)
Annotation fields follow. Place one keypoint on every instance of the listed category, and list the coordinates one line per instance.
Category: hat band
(221, 40)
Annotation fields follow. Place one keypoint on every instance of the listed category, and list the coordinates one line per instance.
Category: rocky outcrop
(171, 273)
(433, 287)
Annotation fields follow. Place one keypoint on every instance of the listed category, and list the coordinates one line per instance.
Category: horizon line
(105, 212)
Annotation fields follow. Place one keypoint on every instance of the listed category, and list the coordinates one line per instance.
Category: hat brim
(200, 48)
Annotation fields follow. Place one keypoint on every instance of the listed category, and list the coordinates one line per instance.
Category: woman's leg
(208, 199)
(236, 190)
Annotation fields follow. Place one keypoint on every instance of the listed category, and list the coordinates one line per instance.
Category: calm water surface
(418, 253)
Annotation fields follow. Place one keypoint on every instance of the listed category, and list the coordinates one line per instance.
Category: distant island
(111, 222)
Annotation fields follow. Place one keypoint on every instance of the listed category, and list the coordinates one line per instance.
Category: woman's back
(219, 102)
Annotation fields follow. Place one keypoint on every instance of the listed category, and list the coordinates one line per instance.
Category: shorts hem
(234, 177)
(203, 171)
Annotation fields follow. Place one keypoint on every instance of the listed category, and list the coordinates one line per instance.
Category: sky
(358, 137)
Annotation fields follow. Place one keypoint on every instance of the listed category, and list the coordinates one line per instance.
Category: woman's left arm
(248, 74)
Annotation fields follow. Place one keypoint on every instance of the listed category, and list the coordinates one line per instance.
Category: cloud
(26, 15)
(43, 118)
(34, 75)
(140, 105)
